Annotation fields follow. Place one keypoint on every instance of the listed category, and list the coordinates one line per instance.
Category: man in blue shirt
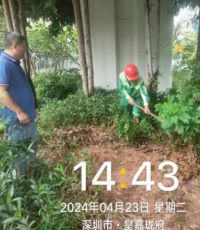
(18, 97)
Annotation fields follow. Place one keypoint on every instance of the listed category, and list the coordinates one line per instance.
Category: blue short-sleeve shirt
(13, 76)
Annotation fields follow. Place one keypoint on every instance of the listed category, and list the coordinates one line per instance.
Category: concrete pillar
(118, 38)
(102, 22)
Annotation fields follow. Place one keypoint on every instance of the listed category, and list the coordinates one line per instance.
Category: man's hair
(13, 37)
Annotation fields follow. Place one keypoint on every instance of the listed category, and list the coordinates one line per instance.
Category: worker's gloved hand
(146, 109)
(131, 101)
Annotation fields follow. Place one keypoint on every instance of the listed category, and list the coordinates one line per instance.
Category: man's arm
(123, 90)
(7, 100)
(145, 97)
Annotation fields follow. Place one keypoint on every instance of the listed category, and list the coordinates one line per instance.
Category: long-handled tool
(150, 113)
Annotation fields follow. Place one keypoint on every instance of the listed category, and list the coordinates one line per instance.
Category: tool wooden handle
(153, 115)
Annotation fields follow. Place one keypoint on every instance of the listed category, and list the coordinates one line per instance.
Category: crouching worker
(133, 90)
(17, 94)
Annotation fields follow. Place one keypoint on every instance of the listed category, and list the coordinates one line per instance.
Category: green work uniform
(136, 89)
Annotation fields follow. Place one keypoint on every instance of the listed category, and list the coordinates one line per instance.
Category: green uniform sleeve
(122, 88)
(144, 94)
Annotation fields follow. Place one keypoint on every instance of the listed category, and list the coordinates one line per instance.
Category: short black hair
(13, 37)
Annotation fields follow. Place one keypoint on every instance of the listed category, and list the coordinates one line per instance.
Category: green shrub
(56, 85)
(78, 109)
(158, 97)
(34, 203)
(103, 108)
(181, 113)
(1, 125)
(147, 130)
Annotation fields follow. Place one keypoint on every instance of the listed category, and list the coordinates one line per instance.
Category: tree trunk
(14, 17)
(23, 32)
(7, 15)
(78, 20)
(148, 37)
(158, 37)
(154, 82)
(33, 68)
(198, 44)
(88, 46)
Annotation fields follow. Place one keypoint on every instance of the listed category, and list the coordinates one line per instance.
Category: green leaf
(11, 220)
(180, 129)
(174, 119)
(185, 118)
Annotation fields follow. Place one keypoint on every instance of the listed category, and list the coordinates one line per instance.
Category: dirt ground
(103, 147)
(131, 159)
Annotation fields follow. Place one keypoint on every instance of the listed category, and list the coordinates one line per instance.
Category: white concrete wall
(118, 38)
(102, 22)
(166, 42)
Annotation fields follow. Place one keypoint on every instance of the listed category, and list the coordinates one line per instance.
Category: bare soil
(104, 147)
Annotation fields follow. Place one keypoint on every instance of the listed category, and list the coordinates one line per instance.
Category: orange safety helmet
(131, 72)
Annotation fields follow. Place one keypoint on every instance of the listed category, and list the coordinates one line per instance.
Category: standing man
(133, 90)
(17, 94)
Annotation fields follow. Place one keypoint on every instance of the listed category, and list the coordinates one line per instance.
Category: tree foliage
(184, 50)
(54, 47)
(42, 41)
(193, 4)
(178, 4)
(2, 20)
(58, 12)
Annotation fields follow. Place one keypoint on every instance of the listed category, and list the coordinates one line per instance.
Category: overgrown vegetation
(63, 105)
(57, 85)
(55, 49)
(79, 109)
(35, 202)
(181, 113)
(184, 51)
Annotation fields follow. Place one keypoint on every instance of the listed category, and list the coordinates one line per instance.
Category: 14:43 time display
(148, 182)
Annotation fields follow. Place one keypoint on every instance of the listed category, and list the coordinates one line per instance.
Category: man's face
(19, 50)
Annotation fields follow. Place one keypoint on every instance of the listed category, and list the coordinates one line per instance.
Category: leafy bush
(148, 129)
(41, 41)
(184, 51)
(103, 108)
(34, 203)
(181, 113)
(158, 97)
(78, 109)
(1, 125)
(178, 76)
(56, 85)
